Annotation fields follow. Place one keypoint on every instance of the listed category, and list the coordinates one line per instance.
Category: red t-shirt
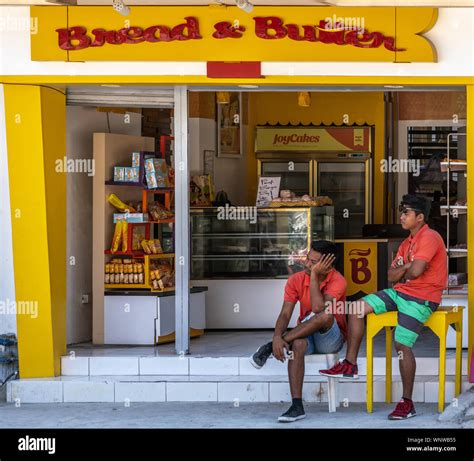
(335, 285)
(428, 246)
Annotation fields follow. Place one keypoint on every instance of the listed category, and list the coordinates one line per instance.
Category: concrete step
(209, 388)
(232, 366)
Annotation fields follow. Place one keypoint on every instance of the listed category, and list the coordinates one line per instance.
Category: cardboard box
(119, 173)
(136, 159)
(131, 217)
(132, 174)
(156, 171)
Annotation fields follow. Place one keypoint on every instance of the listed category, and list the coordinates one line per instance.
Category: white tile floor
(238, 343)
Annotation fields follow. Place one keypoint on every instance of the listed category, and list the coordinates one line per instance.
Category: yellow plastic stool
(439, 323)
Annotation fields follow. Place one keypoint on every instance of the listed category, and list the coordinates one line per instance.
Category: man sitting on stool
(419, 272)
(318, 288)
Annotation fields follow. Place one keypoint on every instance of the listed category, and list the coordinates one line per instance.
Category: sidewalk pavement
(209, 415)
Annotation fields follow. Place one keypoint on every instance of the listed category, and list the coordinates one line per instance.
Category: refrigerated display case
(274, 246)
(348, 183)
(296, 177)
(335, 161)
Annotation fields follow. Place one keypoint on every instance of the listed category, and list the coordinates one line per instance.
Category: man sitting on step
(318, 288)
(419, 272)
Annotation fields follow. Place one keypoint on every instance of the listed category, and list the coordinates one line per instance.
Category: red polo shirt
(335, 285)
(428, 246)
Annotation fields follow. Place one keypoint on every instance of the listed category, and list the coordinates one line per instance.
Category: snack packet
(124, 236)
(146, 247)
(117, 237)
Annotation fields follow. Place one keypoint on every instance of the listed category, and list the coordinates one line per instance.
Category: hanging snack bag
(117, 203)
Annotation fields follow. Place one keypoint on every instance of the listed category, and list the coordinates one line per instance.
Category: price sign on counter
(268, 189)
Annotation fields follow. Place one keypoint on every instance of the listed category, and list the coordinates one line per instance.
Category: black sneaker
(294, 413)
(261, 356)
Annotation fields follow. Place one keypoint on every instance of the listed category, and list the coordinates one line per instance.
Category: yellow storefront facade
(220, 37)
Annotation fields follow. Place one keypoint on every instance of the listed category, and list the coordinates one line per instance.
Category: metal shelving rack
(453, 210)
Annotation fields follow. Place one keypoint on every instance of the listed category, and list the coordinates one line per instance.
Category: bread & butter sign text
(229, 34)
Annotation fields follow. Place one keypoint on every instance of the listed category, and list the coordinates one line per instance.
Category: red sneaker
(404, 409)
(342, 369)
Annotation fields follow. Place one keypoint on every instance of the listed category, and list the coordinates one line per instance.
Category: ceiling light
(394, 87)
(304, 99)
(120, 7)
(110, 85)
(244, 5)
(248, 86)
(223, 97)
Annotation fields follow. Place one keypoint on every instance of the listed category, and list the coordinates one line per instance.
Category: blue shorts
(329, 342)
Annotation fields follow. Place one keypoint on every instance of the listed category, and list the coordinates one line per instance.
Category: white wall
(453, 37)
(7, 281)
(82, 122)
(230, 174)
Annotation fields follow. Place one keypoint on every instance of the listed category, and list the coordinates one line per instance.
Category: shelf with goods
(455, 211)
(141, 225)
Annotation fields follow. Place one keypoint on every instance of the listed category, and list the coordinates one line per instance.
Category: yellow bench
(439, 323)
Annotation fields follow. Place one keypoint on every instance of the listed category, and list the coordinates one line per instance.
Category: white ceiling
(427, 3)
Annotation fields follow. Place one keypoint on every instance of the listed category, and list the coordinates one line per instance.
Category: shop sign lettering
(295, 138)
(267, 28)
(360, 272)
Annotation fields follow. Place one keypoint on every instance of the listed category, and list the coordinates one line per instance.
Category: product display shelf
(457, 253)
(132, 254)
(123, 183)
(448, 167)
(455, 210)
(167, 195)
(453, 166)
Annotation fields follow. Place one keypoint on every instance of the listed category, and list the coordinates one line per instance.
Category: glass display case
(272, 245)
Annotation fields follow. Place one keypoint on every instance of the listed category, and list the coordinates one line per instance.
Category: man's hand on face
(323, 266)
(279, 346)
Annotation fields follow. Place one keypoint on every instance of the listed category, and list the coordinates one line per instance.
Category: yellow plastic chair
(439, 323)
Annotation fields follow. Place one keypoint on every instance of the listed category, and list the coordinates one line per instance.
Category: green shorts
(412, 312)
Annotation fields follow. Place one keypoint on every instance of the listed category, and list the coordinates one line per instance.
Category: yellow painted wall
(327, 109)
(36, 138)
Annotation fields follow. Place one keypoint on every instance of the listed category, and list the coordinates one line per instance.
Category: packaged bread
(286, 193)
(152, 247)
(158, 247)
(117, 237)
(117, 203)
(125, 236)
(146, 247)
(107, 278)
